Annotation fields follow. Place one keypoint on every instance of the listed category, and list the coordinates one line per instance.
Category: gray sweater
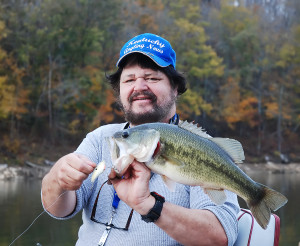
(94, 146)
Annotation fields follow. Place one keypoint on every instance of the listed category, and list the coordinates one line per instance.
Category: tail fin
(271, 200)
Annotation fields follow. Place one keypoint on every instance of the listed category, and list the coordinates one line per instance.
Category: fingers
(140, 169)
(83, 164)
(135, 169)
(112, 174)
(133, 187)
(72, 170)
(113, 177)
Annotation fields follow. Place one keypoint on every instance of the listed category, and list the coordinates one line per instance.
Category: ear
(176, 90)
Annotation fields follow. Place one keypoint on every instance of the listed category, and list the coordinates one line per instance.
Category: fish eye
(125, 134)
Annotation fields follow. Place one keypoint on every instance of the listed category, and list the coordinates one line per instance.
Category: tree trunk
(279, 119)
(49, 91)
(259, 109)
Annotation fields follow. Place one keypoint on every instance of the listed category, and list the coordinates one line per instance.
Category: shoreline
(11, 172)
(39, 171)
(271, 167)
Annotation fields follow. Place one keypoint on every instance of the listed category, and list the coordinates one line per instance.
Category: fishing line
(36, 219)
(101, 168)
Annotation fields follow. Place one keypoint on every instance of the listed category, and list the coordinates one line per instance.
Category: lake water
(20, 205)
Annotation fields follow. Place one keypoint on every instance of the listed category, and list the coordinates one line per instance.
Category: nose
(140, 84)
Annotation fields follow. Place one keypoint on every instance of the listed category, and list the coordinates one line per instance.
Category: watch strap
(154, 213)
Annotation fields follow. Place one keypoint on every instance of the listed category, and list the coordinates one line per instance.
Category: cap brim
(160, 62)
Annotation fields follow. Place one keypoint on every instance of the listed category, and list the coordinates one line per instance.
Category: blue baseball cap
(151, 45)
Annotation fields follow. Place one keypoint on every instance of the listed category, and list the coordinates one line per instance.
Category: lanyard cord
(116, 200)
(174, 120)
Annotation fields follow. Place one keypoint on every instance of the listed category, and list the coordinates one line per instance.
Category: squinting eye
(153, 79)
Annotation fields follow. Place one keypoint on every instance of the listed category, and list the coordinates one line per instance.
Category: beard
(158, 113)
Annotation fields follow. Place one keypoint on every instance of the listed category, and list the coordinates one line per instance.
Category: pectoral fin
(169, 183)
(217, 196)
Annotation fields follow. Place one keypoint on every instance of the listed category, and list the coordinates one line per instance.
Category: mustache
(149, 94)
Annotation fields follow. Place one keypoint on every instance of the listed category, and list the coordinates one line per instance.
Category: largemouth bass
(187, 155)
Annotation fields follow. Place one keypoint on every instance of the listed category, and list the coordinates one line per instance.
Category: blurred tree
(58, 44)
(236, 33)
(13, 97)
(6, 90)
(194, 57)
(241, 59)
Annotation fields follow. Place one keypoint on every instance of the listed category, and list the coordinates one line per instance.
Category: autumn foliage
(241, 60)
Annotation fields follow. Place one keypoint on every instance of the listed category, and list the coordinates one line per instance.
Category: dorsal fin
(193, 128)
(233, 148)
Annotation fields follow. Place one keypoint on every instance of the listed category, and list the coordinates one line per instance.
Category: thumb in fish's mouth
(113, 175)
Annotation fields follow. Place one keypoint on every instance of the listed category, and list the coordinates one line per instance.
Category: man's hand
(67, 174)
(71, 170)
(133, 187)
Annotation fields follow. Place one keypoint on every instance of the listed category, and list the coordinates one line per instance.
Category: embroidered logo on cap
(153, 46)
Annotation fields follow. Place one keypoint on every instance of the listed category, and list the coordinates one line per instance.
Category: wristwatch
(154, 212)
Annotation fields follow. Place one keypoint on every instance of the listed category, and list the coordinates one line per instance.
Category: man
(125, 212)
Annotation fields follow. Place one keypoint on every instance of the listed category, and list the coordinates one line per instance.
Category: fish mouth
(120, 159)
(123, 153)
(157, 150)
(113, 148)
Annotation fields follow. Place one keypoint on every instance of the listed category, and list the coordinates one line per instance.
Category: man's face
(146, 95)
